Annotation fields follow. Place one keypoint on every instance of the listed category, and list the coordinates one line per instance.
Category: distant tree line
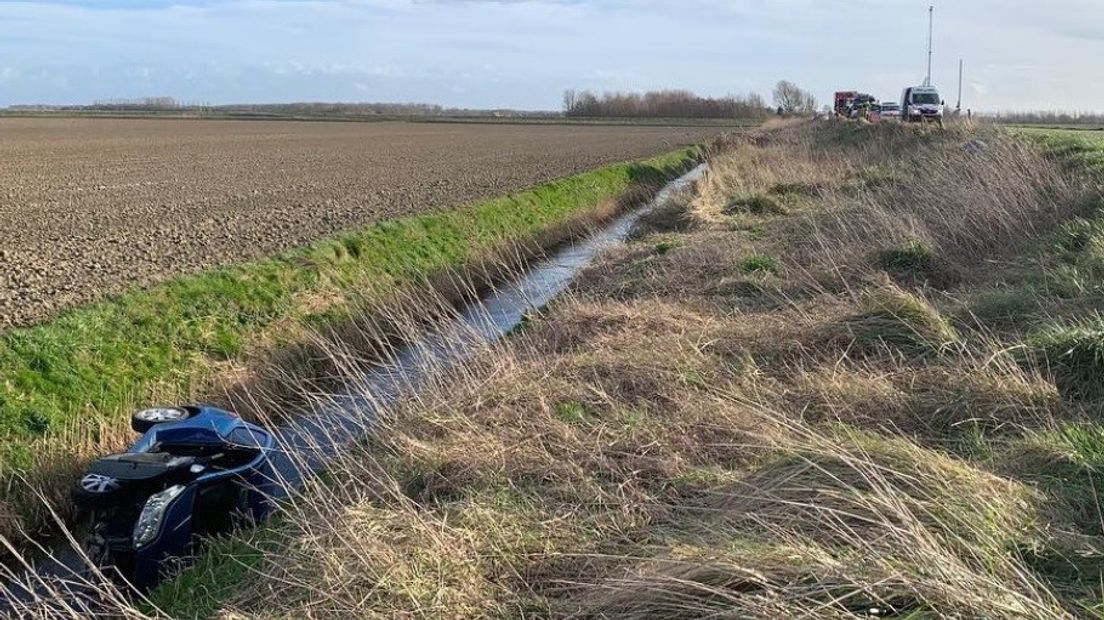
(788, 99)
(348, 109)
(306, 109)
(141, 103)
(661, 104)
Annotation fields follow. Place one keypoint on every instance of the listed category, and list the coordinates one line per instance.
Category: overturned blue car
(196, 471)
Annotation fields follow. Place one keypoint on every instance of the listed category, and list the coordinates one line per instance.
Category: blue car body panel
(208, 426)
(212, 428)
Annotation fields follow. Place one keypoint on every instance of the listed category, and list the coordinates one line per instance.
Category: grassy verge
(66, 385)
(1074, 147)
(202, 589)
(865, 401)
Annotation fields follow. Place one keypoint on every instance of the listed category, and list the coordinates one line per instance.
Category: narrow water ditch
(308, 440)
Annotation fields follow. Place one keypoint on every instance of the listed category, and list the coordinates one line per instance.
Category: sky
(523, 54)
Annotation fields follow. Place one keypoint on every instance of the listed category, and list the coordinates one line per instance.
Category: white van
(921, 103)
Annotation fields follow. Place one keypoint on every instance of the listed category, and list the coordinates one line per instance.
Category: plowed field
(92, 207)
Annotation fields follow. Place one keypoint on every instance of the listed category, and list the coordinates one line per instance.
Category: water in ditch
(307, 441)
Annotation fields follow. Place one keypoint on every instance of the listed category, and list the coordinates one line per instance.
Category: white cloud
(523, 53)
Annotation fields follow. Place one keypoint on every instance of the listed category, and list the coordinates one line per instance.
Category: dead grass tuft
(905, 322)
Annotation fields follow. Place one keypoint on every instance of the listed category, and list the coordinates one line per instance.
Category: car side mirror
(944, 102)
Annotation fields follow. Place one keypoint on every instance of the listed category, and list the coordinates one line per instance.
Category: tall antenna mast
(960, 63)
(931, 30)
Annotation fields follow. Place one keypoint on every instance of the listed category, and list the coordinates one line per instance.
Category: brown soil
(91, 207)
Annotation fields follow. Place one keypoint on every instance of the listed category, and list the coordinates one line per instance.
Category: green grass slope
(87, 368)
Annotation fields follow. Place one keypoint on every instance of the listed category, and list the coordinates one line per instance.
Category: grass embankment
(823, 386)
(67, 386)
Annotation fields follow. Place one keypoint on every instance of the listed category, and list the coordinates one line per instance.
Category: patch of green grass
(1067, 462)
(804, 190)
(756, 232)
(1000, 308)
(914, 256)
(1084, 443)
(664, 247)
(690, 374)
(634, 418)
(1077, 150)
(1077, 237)
(1074, 355)
(758, 263)
(759, 204)
(103, 359)
(1068, 282)
(1073, 260)
(571, 412)
(202, 589)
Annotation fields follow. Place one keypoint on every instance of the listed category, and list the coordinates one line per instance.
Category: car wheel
(94, 491)
(146, 419)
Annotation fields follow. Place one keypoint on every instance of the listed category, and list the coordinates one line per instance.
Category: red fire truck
(842, 99)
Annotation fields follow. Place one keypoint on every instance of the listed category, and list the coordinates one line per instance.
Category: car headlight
(153, 513)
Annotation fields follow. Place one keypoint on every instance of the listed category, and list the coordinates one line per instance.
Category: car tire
(146, 419)
(95, 491)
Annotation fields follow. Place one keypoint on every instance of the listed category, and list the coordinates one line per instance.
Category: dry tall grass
(934, 205)
(693, 433)
(286, 362)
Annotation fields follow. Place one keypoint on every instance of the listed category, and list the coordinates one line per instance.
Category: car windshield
(925, 98)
